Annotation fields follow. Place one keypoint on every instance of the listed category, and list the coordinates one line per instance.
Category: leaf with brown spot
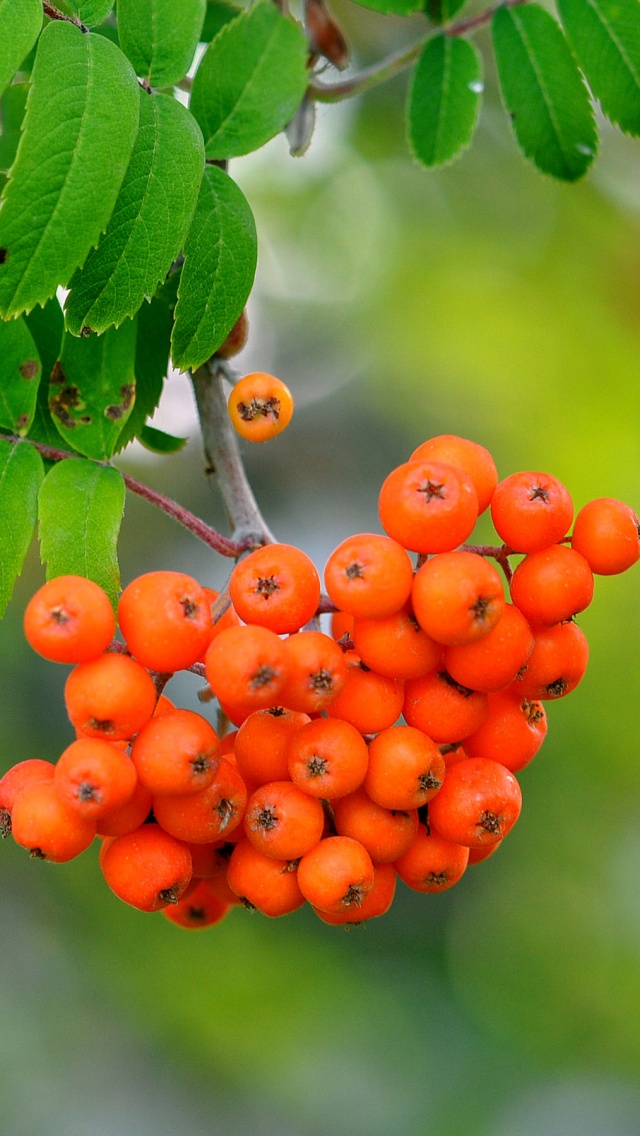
(19, 367)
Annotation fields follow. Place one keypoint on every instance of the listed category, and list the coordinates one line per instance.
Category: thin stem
(55, 14)
(386, 68)
(204, 532)
(222, 452)
(498, 552)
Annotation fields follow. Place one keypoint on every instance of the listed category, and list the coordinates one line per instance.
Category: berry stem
(55, 14)
(498, 552)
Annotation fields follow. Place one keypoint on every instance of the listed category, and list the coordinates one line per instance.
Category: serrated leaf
(80, 508)
(91, 12)
(392, 7)
(605, 36)
(441, 11)
(12, 108)
(21, 473)
(249, 82)
(92, 389)
(20, 23)
(160, 37)
(219, 265)
(150, 220)
(160, 442)
(47, 327)
(218, 14)
(444, 99)
(79, 129)
(20, 370)
(155, 321)
(543, 92)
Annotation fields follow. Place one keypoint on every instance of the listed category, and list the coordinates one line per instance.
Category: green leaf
(605, 36)
(217, 15)
(159, 442)
(150, 220)
(21, 473)
(392, 7)
(79, 128)
(444, 99)
(441, 11)
(47, 327)
(20, 23)
(155, 322)
(20, 370)
(80, 508)
(543, 92)
(91, 12)
(219, 266)
(250, 81)
(92, 389)
(160, 37)
(12, 108)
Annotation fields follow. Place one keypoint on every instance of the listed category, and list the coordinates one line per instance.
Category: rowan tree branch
(55, 14)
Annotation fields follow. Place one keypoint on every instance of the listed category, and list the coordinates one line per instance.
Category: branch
(222, 452)
(204, 532)
(56, 14)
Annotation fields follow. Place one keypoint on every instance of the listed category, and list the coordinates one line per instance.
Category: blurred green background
(483, 300)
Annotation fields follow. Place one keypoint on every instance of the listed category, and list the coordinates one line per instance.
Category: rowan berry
(457, 598)
(557, 663)
(269, 885)
(176, 754)
(442, 709)
(606, 533)
(276, 586)
(229, 617)
(69, 620)
(512, 732)
(111, 697)
(283, 822)
(317, 671)
(428, 506)
(93, 777)
(236, 338)
(246, 667)
(478, 804)
(432, 863)
(166, 620)
(43, 823)
(148, 868)
(15, 780)
(552, 585)
(531, 511)
(385, 833)
(397, 646)
(493, 662)
(197, 909)
(477, 855)
(328, 758)
(260, 406)
(209, 815)
(126, 818)
(376, 902)
(262, 743)
(336, 875)
(463, 454)
(369, 575)
(369, 701)
(218, 884)
(406, 768)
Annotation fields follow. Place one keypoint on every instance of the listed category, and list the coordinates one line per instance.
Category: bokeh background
(483, 300)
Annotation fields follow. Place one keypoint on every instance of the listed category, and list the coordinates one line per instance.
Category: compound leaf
(150, 220)
(92, 389)
(543, 92)
(79, 128)
(160, 37)
(21, 473)
(155, 321)
(250, 81)
(217, 15)
(444, 99)
(20, 23)
(605, 36)
(12, 106)
(20, 370)
(159, 442)
(91, 12)
(47, 328)
(80, 507)
(219, 265)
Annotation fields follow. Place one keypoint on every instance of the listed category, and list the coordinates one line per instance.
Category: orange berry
(492, 662)
(444, 710)
(606, 534)
(210, 815)
(126, 818)
(276, 586)
(148, 868)
(260, 406)
(263, 742)
(531, 511)
(385, 833)
(369, 701)
(197, 909)
(44, 824)
(93, 777)
(457, 597)
(432, 863)
(111, 697)
(328, 758)
(552, 585)
(269, 885)
(512, 732)
(406, 768)
(336, 875)
(317, 671)
(428, 506)
(369, 575)
(176, 754)
(283, 822)
(15, 780)
(478, 804)
(376, 902)
(463, 454)
(397, 646)
(556, 665)
(246, 666)
(69, 620)
(165, 619)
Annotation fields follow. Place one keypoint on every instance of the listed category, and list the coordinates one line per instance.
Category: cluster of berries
(385, 748)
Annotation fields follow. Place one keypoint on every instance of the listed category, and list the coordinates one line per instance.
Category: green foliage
(160, 37)
(20, 370)
(80, 508)
(544, 92)
(12, 106)
(21, 472)
(92, 389)
(441, 11)
(219, 266)
(160, 442)
(47, 328)
(150, 220)
(249, 82)
(444, 99)
(20, 23)
(393, 7)
(605, 36)
(153, 344)
(72, 158)
(218, 14)
(91, 12)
